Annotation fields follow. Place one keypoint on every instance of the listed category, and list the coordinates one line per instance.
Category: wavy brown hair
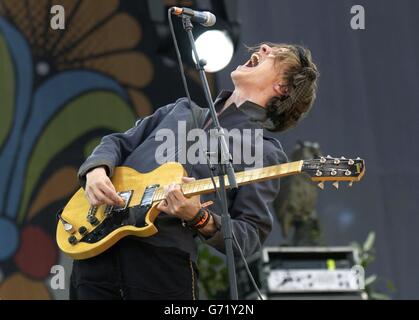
(300, 75)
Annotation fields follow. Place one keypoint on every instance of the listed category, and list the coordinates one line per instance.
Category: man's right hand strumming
(100, 190)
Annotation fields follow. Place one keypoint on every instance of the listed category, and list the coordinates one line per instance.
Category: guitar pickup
(147, 198)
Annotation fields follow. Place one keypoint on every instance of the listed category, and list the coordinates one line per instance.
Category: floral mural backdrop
(60, 91)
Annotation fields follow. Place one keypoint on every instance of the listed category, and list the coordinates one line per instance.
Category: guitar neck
(204, 186)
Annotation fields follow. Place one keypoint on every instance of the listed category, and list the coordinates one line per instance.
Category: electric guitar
(84, 231)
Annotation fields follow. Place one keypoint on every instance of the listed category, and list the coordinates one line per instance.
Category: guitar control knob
(82, 230)
(93, 220)
(69, 228)
(72, 240)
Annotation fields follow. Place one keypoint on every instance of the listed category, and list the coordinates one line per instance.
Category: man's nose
(265, 49)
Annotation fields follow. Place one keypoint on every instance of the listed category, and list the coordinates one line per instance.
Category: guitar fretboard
(206, 185)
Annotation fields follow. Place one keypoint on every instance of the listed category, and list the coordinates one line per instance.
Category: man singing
(272, 91)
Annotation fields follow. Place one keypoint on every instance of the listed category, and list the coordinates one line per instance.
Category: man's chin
(236, 73)
(234, 77)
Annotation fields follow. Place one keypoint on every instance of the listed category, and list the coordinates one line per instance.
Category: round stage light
(216, 48)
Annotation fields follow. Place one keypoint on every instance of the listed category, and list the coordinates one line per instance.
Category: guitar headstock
(334, 169)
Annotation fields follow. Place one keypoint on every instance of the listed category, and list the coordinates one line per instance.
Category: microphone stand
(224, 165)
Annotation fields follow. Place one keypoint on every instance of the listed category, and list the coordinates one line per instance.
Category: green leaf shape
(90, 111)
(378, 296)
(368, 244)
(7, 90)
(213, 273)
(370, 280)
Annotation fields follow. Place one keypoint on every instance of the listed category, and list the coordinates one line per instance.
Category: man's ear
(281, 90)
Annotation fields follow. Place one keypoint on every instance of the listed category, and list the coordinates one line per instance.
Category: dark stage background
(368, 106)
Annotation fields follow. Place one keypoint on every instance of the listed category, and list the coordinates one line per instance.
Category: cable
(185, 84)
(247, 267)
(236, 243)
(181, 69)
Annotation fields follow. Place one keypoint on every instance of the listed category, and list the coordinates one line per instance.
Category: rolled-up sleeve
(251, 211)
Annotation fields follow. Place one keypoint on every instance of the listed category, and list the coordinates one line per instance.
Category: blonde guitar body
(84, 231)
(124, 179)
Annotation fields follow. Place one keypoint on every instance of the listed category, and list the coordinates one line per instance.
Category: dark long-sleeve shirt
(249, 205)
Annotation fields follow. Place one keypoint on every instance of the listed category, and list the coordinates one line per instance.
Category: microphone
(205, 18)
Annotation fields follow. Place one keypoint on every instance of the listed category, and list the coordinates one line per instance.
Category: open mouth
(253, 61)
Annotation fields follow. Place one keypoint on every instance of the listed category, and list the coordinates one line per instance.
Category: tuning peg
(351, 162)
(358, 158)
(347, 172)
(322, 160)
(321, 185)
(319, 173)
(336, 184)
(350, 184)
(336, 161)
(329, 157)
(333, 172)
(342, 158)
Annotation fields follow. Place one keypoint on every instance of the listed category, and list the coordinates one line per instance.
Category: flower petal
(19, 287)
(132, 69)
(141, 103)
(37, 252)
(121, 32)
(61, 184)
(89, 15)
(38, 12)
(53, 37)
